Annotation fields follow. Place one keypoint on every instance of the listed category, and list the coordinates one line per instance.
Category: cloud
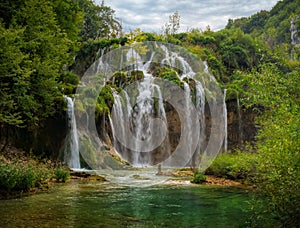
(151, 15)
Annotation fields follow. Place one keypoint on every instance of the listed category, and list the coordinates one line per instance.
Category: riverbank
(22, 175)
(184, 177)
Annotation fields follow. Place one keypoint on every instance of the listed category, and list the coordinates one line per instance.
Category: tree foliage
(273, 24)
(172, 27)
(38, 42)
(99, 21)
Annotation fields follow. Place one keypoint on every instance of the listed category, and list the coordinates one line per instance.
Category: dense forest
(46, 46)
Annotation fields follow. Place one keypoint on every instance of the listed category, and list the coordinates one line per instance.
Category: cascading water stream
(225, 121)
(172, 59)
(72, 145)
(140, 114)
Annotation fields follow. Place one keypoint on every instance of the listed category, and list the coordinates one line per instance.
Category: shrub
(22, 175)
(239, 166)
(198, 178)
(61, 174)
(278, 199)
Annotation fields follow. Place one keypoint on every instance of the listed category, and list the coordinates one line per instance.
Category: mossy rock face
(170, 75)
(155, 69)
(114, 162)
(88, 152)
(134, 75)
(119, 79)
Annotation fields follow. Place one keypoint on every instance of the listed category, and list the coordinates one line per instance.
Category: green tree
(278, 147)
(69, 17)
(14, 79)
(33, 53)
(99, 21)
(47, 47)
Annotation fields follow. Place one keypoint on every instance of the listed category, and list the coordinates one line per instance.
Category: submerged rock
(86, 176)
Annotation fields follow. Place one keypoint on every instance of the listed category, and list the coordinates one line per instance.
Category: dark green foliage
(279, 167)
(278, 146)
(8, 9)
(61, 174)
(69, 82)
(89, 52)
(69, 16)
(14, 77)
(105, 101)
(198, 178)
(21, 175)
(273, 26)
(99, 21)
(170, 75)
(149, 36)
(241, 166)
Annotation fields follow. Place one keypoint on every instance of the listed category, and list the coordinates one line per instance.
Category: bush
(22, 175)
(61, 174)
(239, 166)
(198, 178)
(278, 199)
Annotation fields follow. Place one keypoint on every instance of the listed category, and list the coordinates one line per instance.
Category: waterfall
(200, 106)
(225, 121)
(294, 36)
(240, 126)
(187, 119)
(139, 109)
(172, 59)
(72, 146)
(140, 115)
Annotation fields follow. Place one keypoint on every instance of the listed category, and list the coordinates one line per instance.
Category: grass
(21, 174)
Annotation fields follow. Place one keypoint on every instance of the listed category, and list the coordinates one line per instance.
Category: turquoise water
(94, 204)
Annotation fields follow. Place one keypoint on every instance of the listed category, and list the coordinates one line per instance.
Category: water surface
(107, 204)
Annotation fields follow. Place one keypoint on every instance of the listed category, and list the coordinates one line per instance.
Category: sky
(151, 15)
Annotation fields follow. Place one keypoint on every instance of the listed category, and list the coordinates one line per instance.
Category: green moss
(105, 100)
(134, 75)
(119, 78)
(88, 152)
(170, 75)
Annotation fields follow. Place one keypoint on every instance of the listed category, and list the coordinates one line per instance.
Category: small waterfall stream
(72, 145)
(225, 121)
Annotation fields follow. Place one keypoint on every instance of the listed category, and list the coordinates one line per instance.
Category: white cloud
(151, 15)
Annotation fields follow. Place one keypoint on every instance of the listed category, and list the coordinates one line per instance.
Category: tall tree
(99, 21)
(69, 17)
(47, 48)
(33, 51)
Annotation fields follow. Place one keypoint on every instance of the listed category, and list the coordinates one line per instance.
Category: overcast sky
(151, 15)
